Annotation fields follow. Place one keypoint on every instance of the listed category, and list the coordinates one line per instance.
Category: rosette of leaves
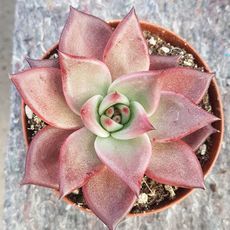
(114, 113)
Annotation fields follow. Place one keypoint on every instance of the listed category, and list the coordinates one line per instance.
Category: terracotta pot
(215, 100)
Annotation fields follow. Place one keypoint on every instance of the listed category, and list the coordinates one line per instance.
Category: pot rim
(216, 102)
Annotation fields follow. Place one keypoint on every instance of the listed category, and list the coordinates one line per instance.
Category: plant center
(115, 117)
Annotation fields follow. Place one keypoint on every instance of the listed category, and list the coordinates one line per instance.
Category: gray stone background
(206, 25)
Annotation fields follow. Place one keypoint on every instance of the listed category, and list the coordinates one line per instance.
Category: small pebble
(142, 199)
(203, 149)
(37, 120)
(188, 62)
(152, 41)
(170, 190)
(28, 112)
(76, 191)
(165, 49)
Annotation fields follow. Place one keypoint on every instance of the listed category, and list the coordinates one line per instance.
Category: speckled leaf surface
(205, 25)
(78, 161)
(82, 78)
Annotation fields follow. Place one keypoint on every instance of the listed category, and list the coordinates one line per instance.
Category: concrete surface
(6, 29)
(206, 25)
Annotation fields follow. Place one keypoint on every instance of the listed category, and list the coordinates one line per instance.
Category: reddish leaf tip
(181, 168)
(203, 186)
(133, 60)
(108, 197)
(197, 138)
(179, 121)
(184, 80)
(88, 36)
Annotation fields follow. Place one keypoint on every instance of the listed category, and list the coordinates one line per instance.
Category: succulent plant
(114, 114)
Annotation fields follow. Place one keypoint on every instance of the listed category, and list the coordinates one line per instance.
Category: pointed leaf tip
(175, 163)
(197, 138)
(108, 197)
(127, 158)
(123, 55)
(177, 117)
(185, 81)
(84, 35)
(41, 90)
(78, 161)
(42, 161)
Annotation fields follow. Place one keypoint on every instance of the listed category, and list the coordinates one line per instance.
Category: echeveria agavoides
(114, 114)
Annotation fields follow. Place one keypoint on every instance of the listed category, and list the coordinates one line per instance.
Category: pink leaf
(41, 90)
(158, 62)
(126, 50)
(138, 123)
(84, 35)
(78, 161)
(143, 87)
(177, 117)
(196, 139)
(108, 197)
(42, 162)
(191, 83)
(174, 163)
(127, 158)
(112, 99)
(43, 62)
(90, 116)
(109, 124)
(83, 78)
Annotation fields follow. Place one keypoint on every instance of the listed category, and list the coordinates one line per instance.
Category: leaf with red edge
(112, 99)
(41, 90)
(84, 35)
(138, 123)
(43, 62)
(177, 117)
(189, 82)
(108, 197)
(196, 139)
(127, 158)
(78, 161)
(159, 62)
(109, 124)
(143, 87)
(174, 163)
(126, 50)
(83, 78)
(90, 116)
(42, 162)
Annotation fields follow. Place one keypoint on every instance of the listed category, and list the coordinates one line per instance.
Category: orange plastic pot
(215, 100)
